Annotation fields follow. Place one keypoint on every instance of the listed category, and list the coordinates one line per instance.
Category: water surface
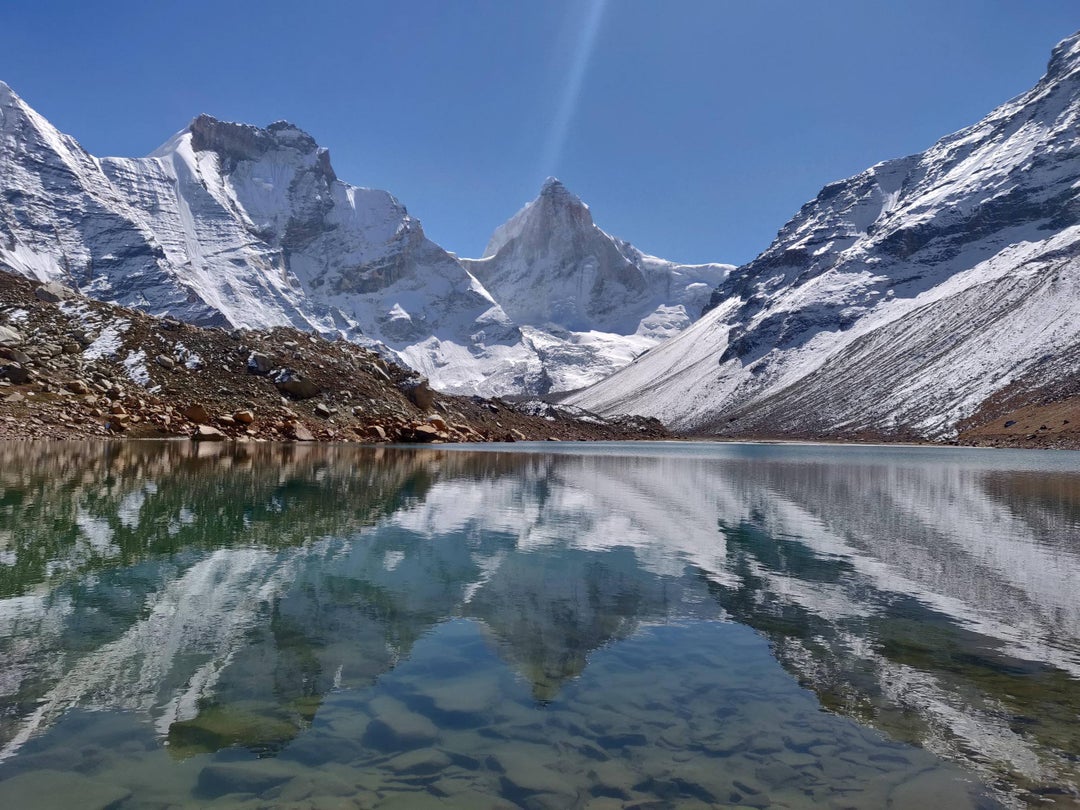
(585, 626)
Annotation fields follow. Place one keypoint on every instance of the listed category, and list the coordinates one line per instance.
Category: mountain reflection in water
(238, 598)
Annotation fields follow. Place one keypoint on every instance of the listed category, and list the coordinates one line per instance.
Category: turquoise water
(585, 626)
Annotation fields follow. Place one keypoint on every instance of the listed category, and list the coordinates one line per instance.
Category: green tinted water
(643, 626)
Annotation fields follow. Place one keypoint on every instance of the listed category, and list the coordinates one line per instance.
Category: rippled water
(640, 626)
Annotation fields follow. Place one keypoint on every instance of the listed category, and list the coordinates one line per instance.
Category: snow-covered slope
(900, 299)
(234, 225)
(61, 218)
(588, 302)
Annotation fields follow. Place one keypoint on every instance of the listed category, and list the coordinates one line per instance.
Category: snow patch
(135, 365)
(107, 345)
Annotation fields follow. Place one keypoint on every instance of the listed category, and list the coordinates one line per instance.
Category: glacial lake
(539, 626)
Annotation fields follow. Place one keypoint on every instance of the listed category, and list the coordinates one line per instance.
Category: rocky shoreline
(75, 368)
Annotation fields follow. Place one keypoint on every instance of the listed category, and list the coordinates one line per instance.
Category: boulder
(259, 363)
(205, 433)
(20, 357)
(9, 337)
(244, 417)
(395, 727)
(52, 788)
(290, 382)
(220, 779)
(424, 433)
(15, 373)
(525, 772)
(196, 413)
(300, 433)
(322, 410)
(165, 361)
(53, 293)
(420, 762)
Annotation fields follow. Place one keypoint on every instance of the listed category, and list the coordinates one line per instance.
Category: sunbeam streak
(560, 125)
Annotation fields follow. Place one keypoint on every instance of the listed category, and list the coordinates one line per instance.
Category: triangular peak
(554, 206)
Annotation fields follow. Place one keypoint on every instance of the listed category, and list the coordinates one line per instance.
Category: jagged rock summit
(235, 225)
(900, 301)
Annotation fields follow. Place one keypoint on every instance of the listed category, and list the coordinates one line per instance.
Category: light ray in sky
(575, 79)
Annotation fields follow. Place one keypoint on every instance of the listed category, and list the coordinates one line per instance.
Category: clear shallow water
(641, 626)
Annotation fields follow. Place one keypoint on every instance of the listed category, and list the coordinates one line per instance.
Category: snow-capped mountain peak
(1064, 59)
(231, 224)
(555, 208)
(587, 301)
(899, 300)
(551, 266)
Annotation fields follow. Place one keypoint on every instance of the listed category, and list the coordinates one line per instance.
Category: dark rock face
(234, 141)
(238, 142)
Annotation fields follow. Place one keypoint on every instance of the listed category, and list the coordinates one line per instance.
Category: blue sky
(693, 128)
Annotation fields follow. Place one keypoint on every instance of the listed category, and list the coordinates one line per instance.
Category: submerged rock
(397, 727)
(46, 789)
(243, 777)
